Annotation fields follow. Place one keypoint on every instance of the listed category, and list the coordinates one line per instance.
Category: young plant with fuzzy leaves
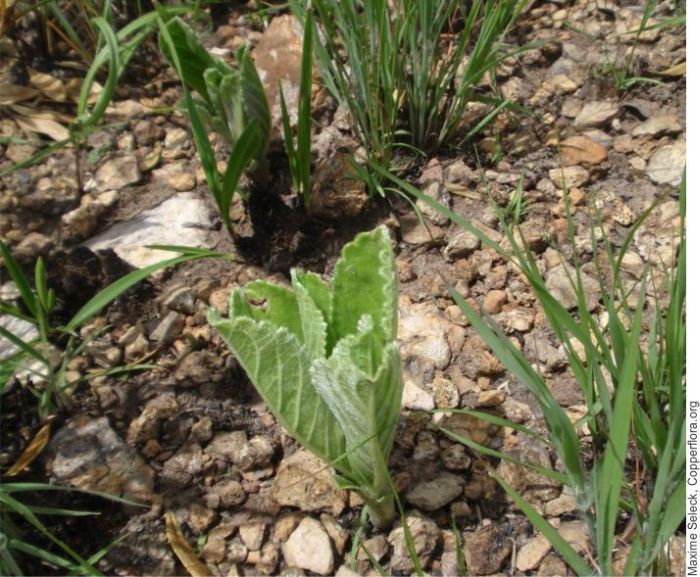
(326, 361)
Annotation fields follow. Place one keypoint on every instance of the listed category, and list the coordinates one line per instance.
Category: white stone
(183, 219)
(310, 548)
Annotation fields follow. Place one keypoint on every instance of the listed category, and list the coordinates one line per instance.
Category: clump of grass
(634, 389)
(406, 70)
(36, 306)
(230, 100)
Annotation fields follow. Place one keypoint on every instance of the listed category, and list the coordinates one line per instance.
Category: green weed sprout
(326, 361)
(230, 100)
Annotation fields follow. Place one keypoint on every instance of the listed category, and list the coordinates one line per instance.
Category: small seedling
(326, 361)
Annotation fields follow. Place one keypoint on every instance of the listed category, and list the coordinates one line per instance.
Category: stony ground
(194, 438)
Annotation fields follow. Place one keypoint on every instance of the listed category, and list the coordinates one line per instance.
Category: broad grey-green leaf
(278, 366)
(364, 283)
(313, 325)
(273, 303)
(364, 404)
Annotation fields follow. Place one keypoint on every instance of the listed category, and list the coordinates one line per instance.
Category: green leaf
(191, 59)
(277, 364)
(313, 323)
(364, 283)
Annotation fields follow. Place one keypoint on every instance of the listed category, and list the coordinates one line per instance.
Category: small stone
(175, 137)
(108, 198)
(569, 177)
(462, 245)
(168, 329)
(345, 571)
(202, 429)
(306, 482)
(552, 565)
(667, 164)
(269, 560)
(426, 535)
(181, 300)
(575, 533)
(533, 486)
(237, 551)
(227, 495)
(516, 411)
(436, 493)
(201, 518)
(455, 458)
(486, 549)
(415, 398)
(563, 504)
(658, 125)
(491, 398)
(177, 176)
(596, 114)
(214, 550)
(559, 284)
(581, 149)
(415, 232)
(252, 535)
(240, 452)
(446, 393)
(532, 553)
(117, 173)
(519, 319)
(494, 301)
(438, 193)
(309, 547)
(335, 531)
(32, 246)
(378, 547)
(180, 469)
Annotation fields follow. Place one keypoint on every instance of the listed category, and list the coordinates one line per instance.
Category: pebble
(461, 245)
(658, 125)
(595, 114)
(494, 301)
(269, 560)
(446, 393)
(31, 247)
(559, 284)
(533, 486)
(667, 164)
(580, 149)
(491, 398)
(532, 553)
(240, 452)
(305, 482)
(569, 177)
(335, 531)
(168, 329)
(563, 504)
(415, 398)
(436, 493)
(486, 549)
(252, 535)
(310, 548)
(117, 173)
(177, 176)
(426, 536)
(455, 458)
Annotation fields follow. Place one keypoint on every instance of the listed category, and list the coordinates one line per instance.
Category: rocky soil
(193, 437)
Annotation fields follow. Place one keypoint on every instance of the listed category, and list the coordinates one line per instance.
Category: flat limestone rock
(183, 219)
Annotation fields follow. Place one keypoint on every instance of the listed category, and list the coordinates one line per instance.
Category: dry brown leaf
(55, 115)
(13, 93)
(50, 128)
(182, 548)
(50, 86)
(676, 70)
(30, 452)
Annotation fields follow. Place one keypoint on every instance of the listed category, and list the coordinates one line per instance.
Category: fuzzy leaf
(364, 283)
(278, 366)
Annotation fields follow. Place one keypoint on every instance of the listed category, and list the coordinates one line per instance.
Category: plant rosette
(325, 358)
